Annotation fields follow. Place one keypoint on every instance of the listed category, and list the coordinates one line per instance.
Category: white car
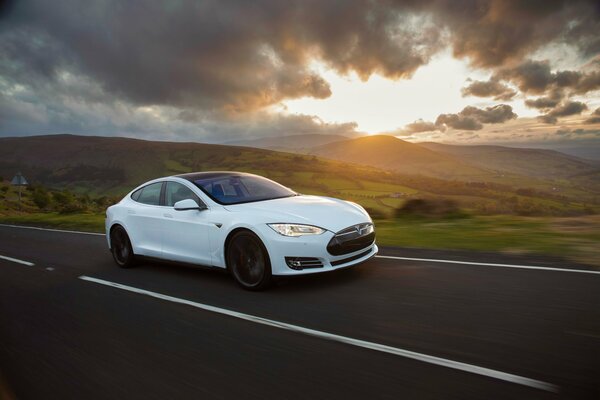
(250, 225)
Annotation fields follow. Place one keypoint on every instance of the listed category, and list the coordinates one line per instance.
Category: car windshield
(242, 188)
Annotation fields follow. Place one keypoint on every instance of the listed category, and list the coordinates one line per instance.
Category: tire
(248, 261)
(120, 247)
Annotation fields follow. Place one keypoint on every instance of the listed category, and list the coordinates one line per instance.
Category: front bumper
(311, 246)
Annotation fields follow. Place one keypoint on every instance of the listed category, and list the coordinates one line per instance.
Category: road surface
(419, 324)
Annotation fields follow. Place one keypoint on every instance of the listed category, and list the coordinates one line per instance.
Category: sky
(523, 73)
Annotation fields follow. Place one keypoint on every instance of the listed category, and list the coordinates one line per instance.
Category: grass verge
(81, 222)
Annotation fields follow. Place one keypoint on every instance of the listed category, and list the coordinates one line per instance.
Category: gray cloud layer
(207, 68)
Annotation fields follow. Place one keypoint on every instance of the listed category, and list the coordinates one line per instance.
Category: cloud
(491, 88)
(472, 118)
(495, 33)
(551, 100)
(201, 64)
(213, 55)
(490, 115)
(594, 117)
(563, 110)
(542, 102)
(417, 127)
(536, 77)
(458, 121)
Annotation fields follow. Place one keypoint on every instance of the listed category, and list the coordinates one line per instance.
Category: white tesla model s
(254, 227)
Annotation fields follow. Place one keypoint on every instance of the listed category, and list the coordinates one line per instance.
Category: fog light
(299, 263)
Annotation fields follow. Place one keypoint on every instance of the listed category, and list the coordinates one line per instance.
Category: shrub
(41, 198)
(429, 208)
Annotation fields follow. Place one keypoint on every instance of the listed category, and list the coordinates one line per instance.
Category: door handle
(130, 211)
(167, 215)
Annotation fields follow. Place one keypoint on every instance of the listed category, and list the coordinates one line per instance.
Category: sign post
(19, 181)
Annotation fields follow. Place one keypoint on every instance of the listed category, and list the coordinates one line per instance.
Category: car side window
(150, 194)
(176, 192)
(136, 194)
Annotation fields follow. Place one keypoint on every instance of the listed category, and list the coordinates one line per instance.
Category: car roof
(194, 176)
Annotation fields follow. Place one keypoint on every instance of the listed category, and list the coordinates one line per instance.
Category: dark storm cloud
(563, 110)
(246, 55)
(493, 33)
(473, 118)
(594, 118)
(536, 77)
(491, 88)
(234, 55)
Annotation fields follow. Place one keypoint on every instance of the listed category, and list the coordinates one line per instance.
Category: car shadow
(221, 277)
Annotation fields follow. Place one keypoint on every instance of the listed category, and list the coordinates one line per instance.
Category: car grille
(351, 239)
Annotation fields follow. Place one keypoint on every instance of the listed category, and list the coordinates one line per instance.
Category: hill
(110, 166)
(546, 164)
(292, 143)
(391, 153)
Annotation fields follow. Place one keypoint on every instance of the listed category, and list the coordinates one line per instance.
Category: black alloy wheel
(121, 249)
(248, 261)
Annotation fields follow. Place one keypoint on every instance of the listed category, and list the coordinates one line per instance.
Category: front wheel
(121, 249)
(248, 261)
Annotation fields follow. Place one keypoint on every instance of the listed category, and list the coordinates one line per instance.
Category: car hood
(325, 212)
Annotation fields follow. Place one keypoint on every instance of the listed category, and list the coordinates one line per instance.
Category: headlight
(296, 229)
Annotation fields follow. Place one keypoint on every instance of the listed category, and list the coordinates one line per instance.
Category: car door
(185, 233)
(145, 219)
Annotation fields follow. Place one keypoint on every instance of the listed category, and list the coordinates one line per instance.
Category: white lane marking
(16, 260)
(474, 369)
(377, 256)
(581, 271)
(51, 230)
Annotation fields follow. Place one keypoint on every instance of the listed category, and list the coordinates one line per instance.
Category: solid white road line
(51, 230)
(474, 369)
(581, 271)
(16, 260)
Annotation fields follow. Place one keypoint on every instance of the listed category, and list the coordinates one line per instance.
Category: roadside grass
(82, 222)
(575, 239)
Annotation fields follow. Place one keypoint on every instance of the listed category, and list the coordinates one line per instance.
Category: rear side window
(149, 194)
(136, 194)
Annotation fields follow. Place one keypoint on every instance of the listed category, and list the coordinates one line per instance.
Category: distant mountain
(539, 163)
(293, 143)
(591, 153)
(391, 153)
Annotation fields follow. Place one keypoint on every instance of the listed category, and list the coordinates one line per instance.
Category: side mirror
(187, 204)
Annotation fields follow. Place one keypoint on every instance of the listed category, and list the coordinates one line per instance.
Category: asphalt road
(388, 329)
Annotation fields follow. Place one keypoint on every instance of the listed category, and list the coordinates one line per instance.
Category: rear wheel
(248, 260)
(121, 249)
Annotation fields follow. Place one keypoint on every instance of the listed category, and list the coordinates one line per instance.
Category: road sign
(20, 181)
